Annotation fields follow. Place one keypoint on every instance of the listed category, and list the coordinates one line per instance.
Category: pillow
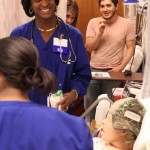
(137, 60)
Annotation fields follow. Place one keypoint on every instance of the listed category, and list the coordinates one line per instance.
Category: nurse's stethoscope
(60, 35)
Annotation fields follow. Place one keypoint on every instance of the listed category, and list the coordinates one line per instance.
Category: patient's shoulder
(98, 143)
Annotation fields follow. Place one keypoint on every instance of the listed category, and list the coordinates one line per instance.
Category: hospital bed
(103, 104)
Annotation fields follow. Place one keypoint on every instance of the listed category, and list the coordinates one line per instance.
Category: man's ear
(116, 7)
(124, 132)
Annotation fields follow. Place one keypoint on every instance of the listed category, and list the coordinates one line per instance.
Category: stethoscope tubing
(68, 60)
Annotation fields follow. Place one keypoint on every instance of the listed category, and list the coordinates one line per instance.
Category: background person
(72, 12)
(120, 129)
(71, 18)
(61, 50)
(106, 38)
(23, 123)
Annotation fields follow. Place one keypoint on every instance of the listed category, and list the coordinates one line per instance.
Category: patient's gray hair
(130, 139)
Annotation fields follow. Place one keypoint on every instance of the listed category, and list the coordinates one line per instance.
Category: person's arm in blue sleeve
(81, 75)
(82, 72)
(83, 137)
(15, 32)
(77, 132)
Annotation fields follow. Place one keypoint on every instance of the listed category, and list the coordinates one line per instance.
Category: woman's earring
(55, 9)
(31, 11)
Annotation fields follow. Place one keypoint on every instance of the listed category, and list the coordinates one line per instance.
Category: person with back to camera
(61, 50)
(106, 38)
(121, 127)
(24, 124)
(72, 12)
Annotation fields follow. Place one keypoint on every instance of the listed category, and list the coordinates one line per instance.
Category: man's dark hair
(115, 2)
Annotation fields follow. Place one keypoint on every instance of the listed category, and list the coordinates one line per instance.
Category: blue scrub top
(76, 76)
(30, 126)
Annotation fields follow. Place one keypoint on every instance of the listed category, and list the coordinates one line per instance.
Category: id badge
(60, 45)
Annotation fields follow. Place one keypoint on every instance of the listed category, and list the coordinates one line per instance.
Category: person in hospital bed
(121, 126)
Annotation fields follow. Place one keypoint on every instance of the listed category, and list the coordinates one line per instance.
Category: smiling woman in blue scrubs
(61, 50)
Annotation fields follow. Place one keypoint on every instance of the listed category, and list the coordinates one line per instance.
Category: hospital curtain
(146, 79)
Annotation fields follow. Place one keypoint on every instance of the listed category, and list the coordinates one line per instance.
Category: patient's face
(108, 133)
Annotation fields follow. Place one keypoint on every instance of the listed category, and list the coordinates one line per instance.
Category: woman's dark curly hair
(27, 4)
